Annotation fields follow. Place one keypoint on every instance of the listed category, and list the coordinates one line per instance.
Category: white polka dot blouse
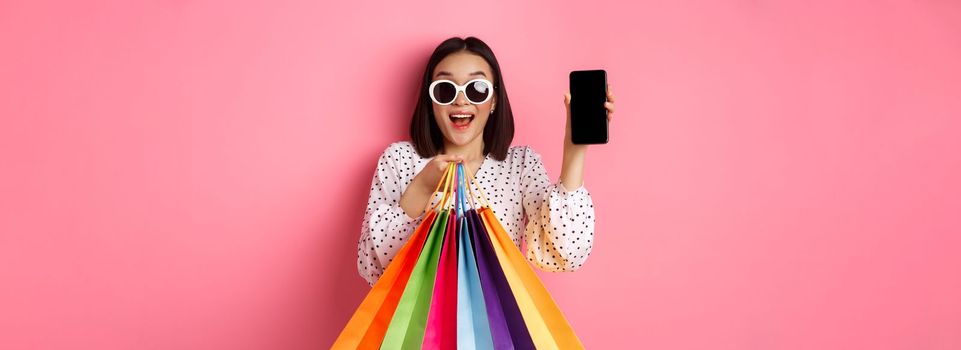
(557, 223)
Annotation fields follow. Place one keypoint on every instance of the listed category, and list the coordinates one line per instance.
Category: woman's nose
(461, 99)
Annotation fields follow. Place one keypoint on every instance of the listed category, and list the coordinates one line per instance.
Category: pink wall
(193, 175)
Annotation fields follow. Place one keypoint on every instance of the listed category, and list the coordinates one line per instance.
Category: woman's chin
(460, 139)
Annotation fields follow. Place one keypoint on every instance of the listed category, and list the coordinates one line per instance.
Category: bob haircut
(499, 131)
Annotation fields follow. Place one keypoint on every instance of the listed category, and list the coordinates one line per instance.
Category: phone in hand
(588, 115)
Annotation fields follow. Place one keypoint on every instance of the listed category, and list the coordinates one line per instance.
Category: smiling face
(462, 122)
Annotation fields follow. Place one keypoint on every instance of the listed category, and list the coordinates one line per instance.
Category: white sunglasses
(477, 91)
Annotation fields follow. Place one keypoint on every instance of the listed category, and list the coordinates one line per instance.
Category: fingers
(449, 157)
(610, 110)
(610, 103)
(444, 160)
(456, 158)
(567, 98)
(609, 106)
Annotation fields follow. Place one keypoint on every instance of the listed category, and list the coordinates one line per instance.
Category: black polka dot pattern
(557, 223)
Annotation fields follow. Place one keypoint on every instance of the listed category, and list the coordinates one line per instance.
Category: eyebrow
(445, 73)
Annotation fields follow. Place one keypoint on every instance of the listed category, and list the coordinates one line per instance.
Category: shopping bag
(408, 325)
(548, 327)
(473, 327)
(367, 326)
(459, 282)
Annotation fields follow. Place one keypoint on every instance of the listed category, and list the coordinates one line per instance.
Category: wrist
(574, 152)
(421, 186)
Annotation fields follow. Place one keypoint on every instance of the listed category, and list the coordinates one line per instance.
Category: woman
(463, 115)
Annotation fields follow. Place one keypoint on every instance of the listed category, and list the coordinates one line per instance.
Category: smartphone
(588, 115)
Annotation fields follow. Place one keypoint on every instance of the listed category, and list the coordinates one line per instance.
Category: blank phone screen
(588, 115)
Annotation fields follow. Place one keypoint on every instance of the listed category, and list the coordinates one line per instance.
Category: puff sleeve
(560, 223)
(386, 225)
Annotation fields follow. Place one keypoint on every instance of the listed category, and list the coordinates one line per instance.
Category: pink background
(193, 174)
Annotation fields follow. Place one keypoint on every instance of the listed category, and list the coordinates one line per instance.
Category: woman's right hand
(435, 169)
(421, 189)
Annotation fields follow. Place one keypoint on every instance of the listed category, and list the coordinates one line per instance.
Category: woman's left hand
(572, 168)
(568, 144)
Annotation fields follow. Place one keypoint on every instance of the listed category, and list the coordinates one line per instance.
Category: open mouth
(461, 120)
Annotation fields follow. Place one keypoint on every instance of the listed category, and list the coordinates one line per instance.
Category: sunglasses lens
(444, 92)
(478, 91)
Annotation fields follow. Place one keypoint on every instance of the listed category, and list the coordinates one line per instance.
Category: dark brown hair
(499, 131)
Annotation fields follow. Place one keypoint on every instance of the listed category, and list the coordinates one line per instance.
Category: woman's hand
(421, 189)
(568, 144)
(435, 169)
(572, 171)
